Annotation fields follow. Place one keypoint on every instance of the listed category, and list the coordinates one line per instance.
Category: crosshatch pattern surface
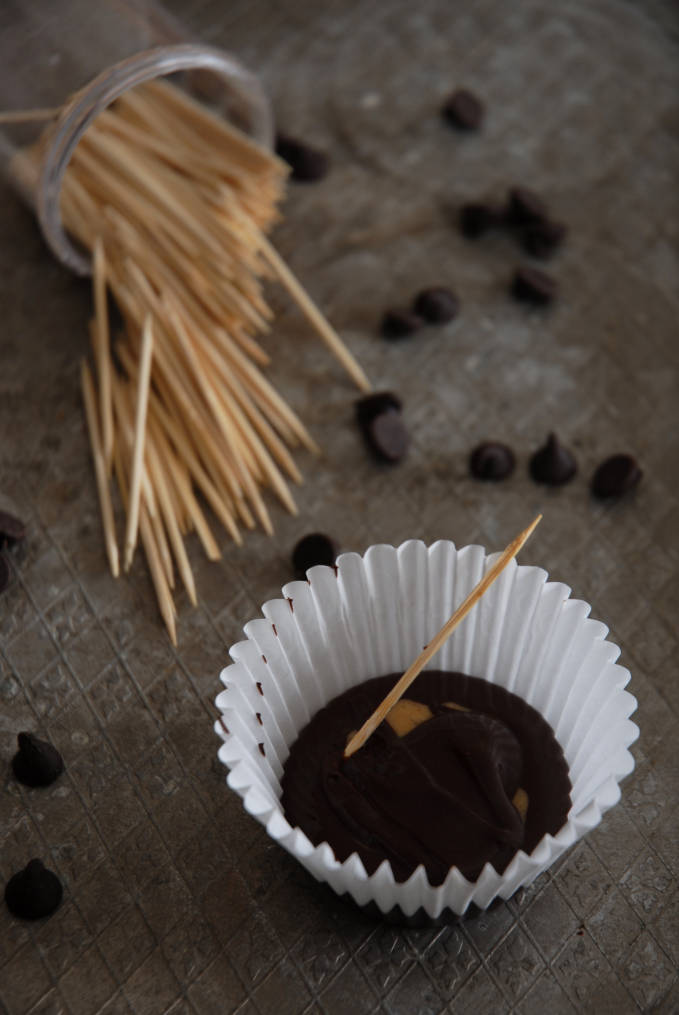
(175, 900)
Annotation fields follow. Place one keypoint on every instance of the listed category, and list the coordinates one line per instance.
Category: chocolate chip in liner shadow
(492, 460)
(34, 892)
(553, 463)
(436, 305)
(314, 548)
(400, 324)
(616, 476)
(369, 406)
(463, 110)
(12, 529)
(307, 164)
(387, 436)
(37, 762)
(530, 285)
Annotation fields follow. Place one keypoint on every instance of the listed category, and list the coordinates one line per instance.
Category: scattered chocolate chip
(36, 763)
(308, 164)
(400, 324)
(553, 463)
(530, 285)
(463, 110)
(4, 573)
(541, 239)
(616, 476)
(525, 206)
(316, 548)
(492, 460)
(477, 218)
(436, 305)
(33, 892)
(387, 435)
(12, 529)
(372, 405)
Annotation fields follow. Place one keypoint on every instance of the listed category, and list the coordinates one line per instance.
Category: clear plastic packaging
(78, 57)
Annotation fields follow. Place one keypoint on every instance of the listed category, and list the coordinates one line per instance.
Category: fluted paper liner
(372, 615)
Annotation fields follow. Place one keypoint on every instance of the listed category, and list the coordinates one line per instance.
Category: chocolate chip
(12, 529)
(616, 476)
(530, 285)
(553, 463)
(4, 573)
(400, 324)
(307, 164)
(477, 218)
(436, 305)
(34, 892)
(525, 206)
(316, 548)
(372, 405)
(387, 436)
(463, 110)
(492, 460)
(541, 239)
(36, 763)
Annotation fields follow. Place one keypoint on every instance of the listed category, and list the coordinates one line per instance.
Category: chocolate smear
(34, 892)
(553, 463)
(37, 762)
(616, 476)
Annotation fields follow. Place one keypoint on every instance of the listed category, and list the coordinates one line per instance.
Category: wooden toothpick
(138, 446)
(383, 709)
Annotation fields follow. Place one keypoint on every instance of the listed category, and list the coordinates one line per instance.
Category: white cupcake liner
(372, 615)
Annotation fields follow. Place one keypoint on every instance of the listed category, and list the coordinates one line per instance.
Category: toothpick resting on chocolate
(383, 709)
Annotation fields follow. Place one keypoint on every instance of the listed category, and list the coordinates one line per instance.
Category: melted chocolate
(442, 794)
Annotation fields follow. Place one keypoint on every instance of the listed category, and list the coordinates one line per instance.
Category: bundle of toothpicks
(174, 205)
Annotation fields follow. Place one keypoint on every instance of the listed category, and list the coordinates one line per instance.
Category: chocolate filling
(443, 794)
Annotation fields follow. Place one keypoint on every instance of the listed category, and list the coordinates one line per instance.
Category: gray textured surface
(174, 899)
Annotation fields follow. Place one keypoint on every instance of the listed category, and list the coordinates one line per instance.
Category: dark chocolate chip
(530, 285)
(307, 164)
(372, 405)
(616, 476)
(387, 436)
(541, 239)
(477, 218)
(12, 529)
(553, 463)
(524, 206)
(400, 324)
(492, 460)
(436, 305)
(36, 763)
(463, 110)
(316, 548)
(34, 892)
(4, 573)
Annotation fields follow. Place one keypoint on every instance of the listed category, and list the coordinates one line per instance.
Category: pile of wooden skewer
(174, 205)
